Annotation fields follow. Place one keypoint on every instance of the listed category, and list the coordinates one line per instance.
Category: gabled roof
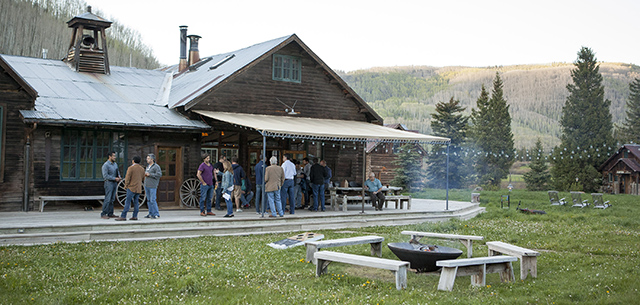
(129, 96)
(188, 87)
(634, 149)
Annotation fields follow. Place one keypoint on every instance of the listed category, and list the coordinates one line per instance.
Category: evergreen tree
(408, 175)
(492, 135)
(448, 121)
(630, 131)
(586, 128)
(539, 176)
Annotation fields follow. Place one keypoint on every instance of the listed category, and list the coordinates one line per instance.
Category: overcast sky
(354, 34)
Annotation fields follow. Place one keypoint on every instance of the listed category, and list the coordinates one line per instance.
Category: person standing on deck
(133, 185)
(152, 174)
(273, 179)
(318, 177)
(205, 175)
(327, 182)
(306, 184)
(297, 188)
(218, 169)
(287, 188)
(111, 176)
(227, 186)
(238, 175)
(259, 180)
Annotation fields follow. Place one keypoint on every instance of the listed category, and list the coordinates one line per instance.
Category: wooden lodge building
(60, 118)
(621, 172)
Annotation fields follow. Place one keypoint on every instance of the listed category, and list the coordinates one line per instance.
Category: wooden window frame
(98, 153)
(291, 73)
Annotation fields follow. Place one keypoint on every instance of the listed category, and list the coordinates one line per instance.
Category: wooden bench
(477, 267)
(466, 240)
(45, 199)
(399, 268)
(398, 200)
(315, 246)
(528, 258)
(346, 199)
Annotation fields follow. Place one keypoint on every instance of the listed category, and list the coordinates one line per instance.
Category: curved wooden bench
(399, 268)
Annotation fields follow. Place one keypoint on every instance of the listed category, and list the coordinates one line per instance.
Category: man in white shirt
(287, 191)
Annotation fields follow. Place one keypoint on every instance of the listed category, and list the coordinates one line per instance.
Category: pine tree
(448, 121)
(586, 128)
(631, 128)
(492, 135)
(538, 178)
(408, 175)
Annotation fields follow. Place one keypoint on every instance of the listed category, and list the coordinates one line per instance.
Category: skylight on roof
(221, 62)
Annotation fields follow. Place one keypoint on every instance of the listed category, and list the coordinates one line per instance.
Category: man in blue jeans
(259, 180)
(152, 174)
(218, 169)
(111, 176)
(287, 191)
(205, 175)
(318, 177)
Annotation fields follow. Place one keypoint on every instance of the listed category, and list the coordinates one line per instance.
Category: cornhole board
(296, 240)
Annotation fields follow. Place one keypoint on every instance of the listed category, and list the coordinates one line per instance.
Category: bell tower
(88, 47)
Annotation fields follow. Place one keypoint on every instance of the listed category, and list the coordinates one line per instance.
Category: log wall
(13, 99)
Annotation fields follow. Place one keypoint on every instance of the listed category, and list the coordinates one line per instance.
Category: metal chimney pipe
(194, 54)
(183, 65)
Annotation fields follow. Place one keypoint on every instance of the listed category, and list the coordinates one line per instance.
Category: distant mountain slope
(535, 93)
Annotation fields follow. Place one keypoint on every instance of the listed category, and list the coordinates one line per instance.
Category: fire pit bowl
(423, 257)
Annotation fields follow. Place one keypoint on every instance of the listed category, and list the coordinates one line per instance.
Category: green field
(588, 256)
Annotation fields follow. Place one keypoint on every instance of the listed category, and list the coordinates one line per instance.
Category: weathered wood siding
(136, 145)
(254, 91)
(12, 99)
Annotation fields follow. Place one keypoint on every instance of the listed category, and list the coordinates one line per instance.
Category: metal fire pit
(423, 257)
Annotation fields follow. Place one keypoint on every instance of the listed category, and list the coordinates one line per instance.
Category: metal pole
(25, 206)
(264, 161)
(447, 203)
(364, 172)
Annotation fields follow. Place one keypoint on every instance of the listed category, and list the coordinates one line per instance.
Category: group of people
(290, 181)
(287, 182)
(228, 180)
(136, 178)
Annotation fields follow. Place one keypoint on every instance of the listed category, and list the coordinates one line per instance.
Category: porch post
(447, 198)
(264, 163)
(364, 172)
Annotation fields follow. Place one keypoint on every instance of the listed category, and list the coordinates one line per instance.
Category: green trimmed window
(287, 68)
(84, 152)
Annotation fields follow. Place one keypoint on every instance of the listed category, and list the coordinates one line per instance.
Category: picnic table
(335, 192)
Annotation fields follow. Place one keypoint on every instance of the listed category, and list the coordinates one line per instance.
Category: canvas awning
(321, 129)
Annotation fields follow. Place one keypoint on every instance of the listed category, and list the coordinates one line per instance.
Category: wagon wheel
(190, 193)
(121, 196)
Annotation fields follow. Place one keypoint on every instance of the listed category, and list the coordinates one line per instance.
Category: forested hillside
(29, 26)
(535, 93)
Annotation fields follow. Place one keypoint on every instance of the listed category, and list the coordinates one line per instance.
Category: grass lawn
(588, 256)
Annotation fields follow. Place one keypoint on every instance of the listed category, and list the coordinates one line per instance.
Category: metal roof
(128, 96)
(194, 82)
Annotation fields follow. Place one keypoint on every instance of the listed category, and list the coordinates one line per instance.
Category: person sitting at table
(374, 187)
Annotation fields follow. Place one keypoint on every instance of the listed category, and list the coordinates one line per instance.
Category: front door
(170, 161)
